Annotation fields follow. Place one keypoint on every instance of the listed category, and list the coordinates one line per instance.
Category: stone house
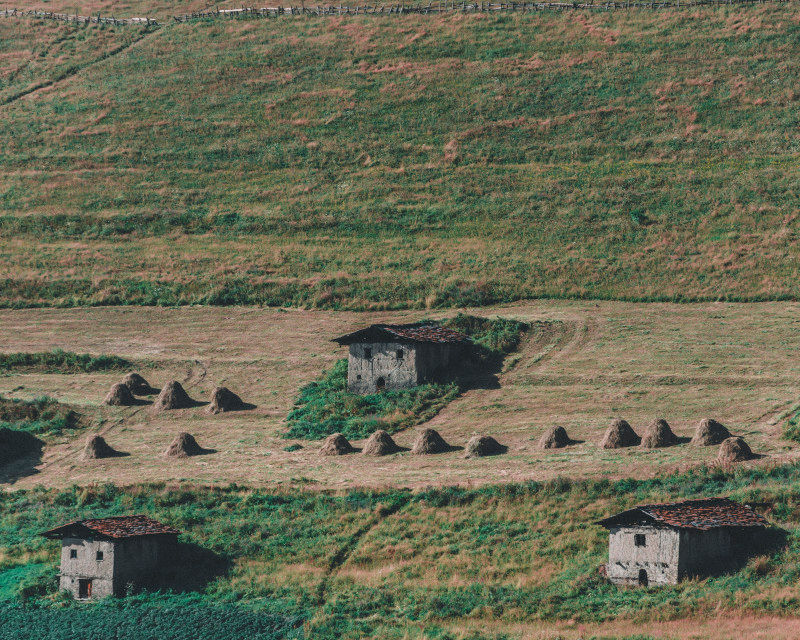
(401, 356)
(101, 557)
(666, 543)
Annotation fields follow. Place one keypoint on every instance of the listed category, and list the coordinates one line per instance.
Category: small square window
(639, 540)
(358, 377)
(73, 553)
(399, 354)
(367, 353)
(99, 555)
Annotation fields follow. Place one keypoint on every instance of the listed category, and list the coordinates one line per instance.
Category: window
(399, 354)
(367, 353)
(99, 555)
(639, 540)
(73, 553)
(358, 377)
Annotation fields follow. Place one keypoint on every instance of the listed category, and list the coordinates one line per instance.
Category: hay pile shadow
(20, 454)
(185, 446)
(120, 396)
(97, 448)
(430, 442)
(336, 445)
(735, 450)
(380, 443)
(659, 434)
(480, 446)
(620, 434)
(138, 386)
(710, 432)
(173, 396)
(556, 438)
(223, 399)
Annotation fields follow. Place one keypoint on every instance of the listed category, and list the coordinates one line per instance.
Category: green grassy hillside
(415, 161)
(397, 564)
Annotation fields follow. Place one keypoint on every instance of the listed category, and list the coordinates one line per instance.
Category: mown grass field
(495, 562)
(737, 363)
(418, 162)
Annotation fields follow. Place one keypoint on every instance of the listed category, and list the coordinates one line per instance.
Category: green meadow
(392, 162)
(393, 563)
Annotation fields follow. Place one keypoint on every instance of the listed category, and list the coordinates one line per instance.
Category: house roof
(702, 515)
(428, 332)
(116, 528)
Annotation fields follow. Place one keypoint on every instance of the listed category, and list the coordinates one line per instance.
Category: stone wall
(393, 362)
(86, 566)
(659, 557)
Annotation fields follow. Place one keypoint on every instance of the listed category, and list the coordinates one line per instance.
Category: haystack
(119, 396)
(172, 396)
(97, 447)
(336, 445)
(137, 385)
(380, 443)
(709, 432)
(620, 434)
(479, 446)
(183, 446)
(223, 399)
(429, 441)
(554, 438)
(659, 434)
(734, 450)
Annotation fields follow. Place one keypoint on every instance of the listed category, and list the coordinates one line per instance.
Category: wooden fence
(65, 17)
(453, 7)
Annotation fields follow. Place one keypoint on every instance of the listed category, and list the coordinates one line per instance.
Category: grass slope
(396, 564)
(424, 161)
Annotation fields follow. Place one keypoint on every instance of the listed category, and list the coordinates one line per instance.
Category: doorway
(84, 589)
(380, 384)
(643, 580)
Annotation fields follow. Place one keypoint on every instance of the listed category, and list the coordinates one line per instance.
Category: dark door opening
(643, 580)
(380, 384)
(84, 588)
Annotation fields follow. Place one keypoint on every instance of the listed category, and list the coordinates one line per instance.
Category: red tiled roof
(116, 527)
(703, 514)
(417, 332)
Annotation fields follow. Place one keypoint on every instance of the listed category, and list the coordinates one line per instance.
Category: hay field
(734, 362)
(441, 161)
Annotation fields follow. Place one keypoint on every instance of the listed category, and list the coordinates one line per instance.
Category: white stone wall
(86, 566)
(364, 372)
(659, 557)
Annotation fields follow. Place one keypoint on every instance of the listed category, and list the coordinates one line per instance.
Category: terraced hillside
(391, 162)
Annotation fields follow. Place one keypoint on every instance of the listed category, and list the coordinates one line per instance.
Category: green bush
(41, 416)
(327, 407)
(59, 361)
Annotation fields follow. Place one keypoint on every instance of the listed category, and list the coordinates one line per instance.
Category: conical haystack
(479, 446)
(658, 434)
(96, 448)
(554, 438)
(380, 443)
(137, 385)
(335, 445)
(429, 441)
(172, 396)
(183, 446)
(223, 399)
(119, 396)
(710, 432)
(620, 434)
(734, 450)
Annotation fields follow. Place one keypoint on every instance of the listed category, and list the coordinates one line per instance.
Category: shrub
(41, 416)
(59, 361)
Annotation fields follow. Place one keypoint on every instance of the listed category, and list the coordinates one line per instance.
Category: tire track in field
(73, 71)
(347, 549)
